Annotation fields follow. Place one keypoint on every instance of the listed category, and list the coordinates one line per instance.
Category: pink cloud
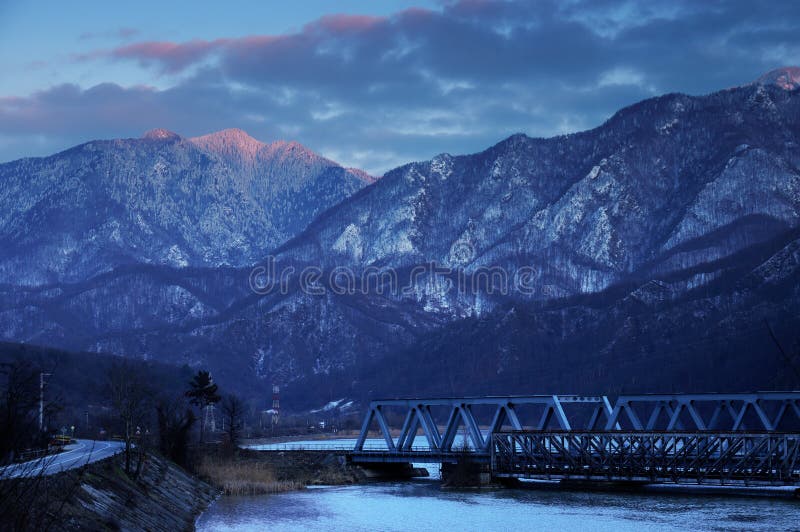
(174, 57)
(345, 23)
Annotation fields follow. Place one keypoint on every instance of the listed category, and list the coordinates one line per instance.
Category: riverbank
(255, 472)
(100, 496)
(242, 475)
(280, 471)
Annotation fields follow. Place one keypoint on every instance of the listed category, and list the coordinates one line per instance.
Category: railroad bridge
(750, 439)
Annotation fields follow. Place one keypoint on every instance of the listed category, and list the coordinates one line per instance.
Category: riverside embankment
(100, 496)
(253, 472)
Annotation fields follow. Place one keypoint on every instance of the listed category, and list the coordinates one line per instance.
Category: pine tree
(202, 392)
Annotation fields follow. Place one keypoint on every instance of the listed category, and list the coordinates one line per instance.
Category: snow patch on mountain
(350, 243)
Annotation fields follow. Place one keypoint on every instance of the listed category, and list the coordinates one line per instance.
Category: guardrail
(25, 456)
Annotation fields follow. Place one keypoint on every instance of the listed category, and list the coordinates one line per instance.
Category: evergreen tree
(202, 393)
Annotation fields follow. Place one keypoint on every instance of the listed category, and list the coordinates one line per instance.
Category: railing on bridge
(728, 458)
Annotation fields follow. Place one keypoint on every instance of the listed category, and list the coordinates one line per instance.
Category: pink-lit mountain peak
(237, 143)
(787, 78)
(249, 155)
(160, 134)
(292, 148)
(228, 142)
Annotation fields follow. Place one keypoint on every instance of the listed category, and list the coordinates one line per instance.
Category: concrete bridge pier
(466, 472)
(392, 470)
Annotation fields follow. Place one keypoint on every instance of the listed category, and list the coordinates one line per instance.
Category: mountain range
(656, 250)
(223, 199)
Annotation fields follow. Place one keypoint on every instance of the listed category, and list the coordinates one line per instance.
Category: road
(74, 455)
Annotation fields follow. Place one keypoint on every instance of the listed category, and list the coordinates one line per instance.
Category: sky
(369, 84)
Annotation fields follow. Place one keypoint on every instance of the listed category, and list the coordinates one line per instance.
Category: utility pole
(41, 399)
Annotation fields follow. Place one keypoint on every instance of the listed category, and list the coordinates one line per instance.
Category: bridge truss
(763, 411)
(418, 417)
(747, 412)
(750, 438)
(697, 457)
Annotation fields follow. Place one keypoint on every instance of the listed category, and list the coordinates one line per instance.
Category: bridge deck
(419, 457)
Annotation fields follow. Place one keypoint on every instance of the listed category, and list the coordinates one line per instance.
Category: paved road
(74, 455)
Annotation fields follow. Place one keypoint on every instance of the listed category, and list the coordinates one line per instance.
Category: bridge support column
(466, 473)
(393, 470)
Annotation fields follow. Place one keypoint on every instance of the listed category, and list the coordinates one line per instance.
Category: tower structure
(209, 420)
(276, 403)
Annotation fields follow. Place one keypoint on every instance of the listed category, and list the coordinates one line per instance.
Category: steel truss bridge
(728, 438)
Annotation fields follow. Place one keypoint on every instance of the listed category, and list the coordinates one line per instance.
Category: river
(423, 505)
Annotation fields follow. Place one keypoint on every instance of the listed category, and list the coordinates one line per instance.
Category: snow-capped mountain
(220, 199)
(656, 244)
(661, 188)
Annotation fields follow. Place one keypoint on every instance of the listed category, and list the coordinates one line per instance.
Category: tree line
(174, 416)
(138, 411)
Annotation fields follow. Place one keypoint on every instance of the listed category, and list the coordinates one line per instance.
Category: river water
(424, 505)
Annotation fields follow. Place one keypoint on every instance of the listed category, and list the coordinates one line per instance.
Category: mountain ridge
(161, 198)
(660, 240)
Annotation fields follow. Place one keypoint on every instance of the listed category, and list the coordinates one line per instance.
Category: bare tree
(175, 420)
(233, 411)
(131, 400)
(788, 359)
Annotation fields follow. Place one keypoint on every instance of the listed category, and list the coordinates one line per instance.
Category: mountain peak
(231, 136)
(160, 134)
(227, 141)
(787, 78)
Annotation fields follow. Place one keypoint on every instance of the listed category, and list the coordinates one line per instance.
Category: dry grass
(244, 477)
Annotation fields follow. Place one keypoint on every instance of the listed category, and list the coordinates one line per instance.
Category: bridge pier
(392, 470)
(466, 473)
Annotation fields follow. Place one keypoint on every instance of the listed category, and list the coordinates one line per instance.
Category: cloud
(120, 33)
(379, 91)
(172, 57)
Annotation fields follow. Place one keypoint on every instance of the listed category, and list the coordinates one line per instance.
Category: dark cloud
(379, 91)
